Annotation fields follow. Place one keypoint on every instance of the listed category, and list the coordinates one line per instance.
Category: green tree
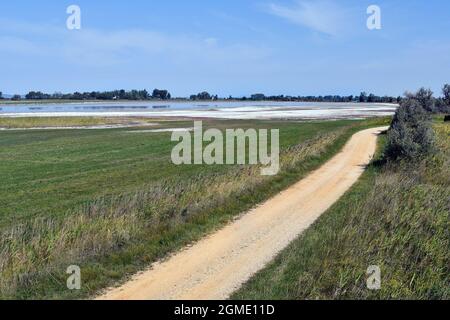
(201, 96)
(37, 95)
(425, 98)
(363, 97)
(161, 94)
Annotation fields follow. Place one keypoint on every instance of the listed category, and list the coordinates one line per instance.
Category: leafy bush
(411, 135)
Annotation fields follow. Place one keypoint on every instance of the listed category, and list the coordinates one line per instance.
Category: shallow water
(214, 109)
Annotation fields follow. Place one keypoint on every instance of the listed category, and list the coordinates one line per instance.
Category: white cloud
(322, 16)
(104, 48)
(211, 41)
(14, 45)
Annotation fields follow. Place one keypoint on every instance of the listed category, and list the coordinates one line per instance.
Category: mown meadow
(111, 201)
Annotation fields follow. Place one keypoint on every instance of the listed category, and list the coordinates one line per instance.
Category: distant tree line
(98, 95)
(159, 94)
(363, 97)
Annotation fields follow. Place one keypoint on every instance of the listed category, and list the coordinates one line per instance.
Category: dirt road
(217, 265)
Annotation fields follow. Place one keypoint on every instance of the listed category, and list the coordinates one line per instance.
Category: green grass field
(396, 217)
(112, 202)
(45, 173)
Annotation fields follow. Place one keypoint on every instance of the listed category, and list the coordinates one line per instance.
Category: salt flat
(316, 111)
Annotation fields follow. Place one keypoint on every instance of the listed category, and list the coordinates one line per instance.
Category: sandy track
(216, 266)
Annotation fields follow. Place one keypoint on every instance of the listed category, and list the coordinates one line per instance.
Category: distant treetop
(162, 94)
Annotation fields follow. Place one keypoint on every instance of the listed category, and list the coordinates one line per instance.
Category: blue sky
(232, 47)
